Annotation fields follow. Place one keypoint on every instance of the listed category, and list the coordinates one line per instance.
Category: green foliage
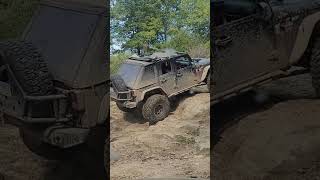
(14, 16)
(116, 60)
(142, 25)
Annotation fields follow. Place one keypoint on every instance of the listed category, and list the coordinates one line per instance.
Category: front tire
(156, 108)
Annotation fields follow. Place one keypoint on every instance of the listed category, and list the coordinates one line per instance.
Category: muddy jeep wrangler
(146, 83)
(256, 41)
(54, 81)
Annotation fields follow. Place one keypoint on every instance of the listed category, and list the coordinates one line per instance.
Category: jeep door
(166, 75)
(243, 49)
(185, 74)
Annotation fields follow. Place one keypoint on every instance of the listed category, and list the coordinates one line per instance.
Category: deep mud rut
(276, 138)
(178, 146)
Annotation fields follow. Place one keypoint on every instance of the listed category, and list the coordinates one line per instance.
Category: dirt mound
(176, 146)
(280, 142)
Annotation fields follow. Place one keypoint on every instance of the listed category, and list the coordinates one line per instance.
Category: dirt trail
(281, 142)
(176, 146)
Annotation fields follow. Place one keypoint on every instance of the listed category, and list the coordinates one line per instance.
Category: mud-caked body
(258, 41)
(161, 76)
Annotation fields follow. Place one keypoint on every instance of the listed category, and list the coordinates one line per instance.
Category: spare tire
(28, 66)
(32, 73)
(118, 83)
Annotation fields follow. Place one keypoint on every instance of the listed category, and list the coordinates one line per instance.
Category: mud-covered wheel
(124, 109)
(156, 108)
(315, 65)
(32, 138)
(28, 66)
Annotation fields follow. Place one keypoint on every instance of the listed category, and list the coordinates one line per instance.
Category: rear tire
(156, 108)
(315, 65)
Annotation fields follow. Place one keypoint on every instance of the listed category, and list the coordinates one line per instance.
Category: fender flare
(104, 109)
(152, 89)
(304, 34)
(205, 73)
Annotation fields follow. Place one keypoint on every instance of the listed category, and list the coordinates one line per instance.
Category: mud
(278, 138)
(178, 146)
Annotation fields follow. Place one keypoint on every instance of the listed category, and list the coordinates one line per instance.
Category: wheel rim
(158, 109)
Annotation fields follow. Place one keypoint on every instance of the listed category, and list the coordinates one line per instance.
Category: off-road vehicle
(54, 80)
(256, 41)
(146, 83)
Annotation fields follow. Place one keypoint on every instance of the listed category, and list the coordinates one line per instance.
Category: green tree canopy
(147, 24)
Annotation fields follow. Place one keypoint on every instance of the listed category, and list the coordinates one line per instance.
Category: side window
(148, 75)
(165, 67)
(182, 62)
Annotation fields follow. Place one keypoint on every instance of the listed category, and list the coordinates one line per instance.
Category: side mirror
(264, 12)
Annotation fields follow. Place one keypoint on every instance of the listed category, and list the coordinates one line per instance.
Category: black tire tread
(118, 83)
(148, 106)
(29, 67)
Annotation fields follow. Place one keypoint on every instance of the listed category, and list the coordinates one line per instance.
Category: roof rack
(158, 56)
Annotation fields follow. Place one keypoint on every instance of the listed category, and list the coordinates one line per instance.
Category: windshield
(129, 73)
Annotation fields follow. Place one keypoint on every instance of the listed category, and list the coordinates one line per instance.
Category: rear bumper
(120, 96)
(124, 98)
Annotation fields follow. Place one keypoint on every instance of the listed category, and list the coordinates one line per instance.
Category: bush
(200, 50)
(116, 60)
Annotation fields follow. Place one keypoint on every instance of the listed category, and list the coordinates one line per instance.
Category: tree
(141, 25)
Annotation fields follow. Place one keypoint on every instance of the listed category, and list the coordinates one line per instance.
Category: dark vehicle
(54, 82)
(256, 41)
(146, 83)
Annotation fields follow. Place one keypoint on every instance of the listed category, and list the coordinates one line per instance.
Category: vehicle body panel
(69, 36)
(249, 51)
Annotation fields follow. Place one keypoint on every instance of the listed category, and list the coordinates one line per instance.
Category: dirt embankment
(176, 146)
(280, 140)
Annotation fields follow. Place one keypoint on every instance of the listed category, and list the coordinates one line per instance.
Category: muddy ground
(18, 163)
(178, 146)
(277, 137)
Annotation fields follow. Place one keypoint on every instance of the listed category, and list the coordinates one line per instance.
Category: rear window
(63, 37)
(129, 73)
